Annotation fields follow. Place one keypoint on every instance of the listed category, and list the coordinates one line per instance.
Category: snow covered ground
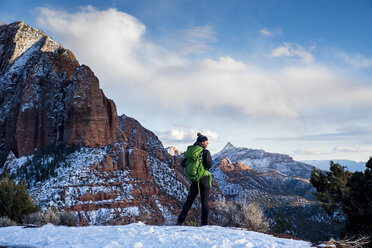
(138, 235)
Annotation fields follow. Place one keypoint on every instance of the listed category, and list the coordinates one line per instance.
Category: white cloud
(191, 40)
(335, 150)
(109, 41)
(356, 60)
(352, 149)
(311, 152)
(184, 136)
(270, 32)
(140, 73)
(292, 49)
(176, 135)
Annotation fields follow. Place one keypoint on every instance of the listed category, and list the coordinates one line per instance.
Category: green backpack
(194, 167)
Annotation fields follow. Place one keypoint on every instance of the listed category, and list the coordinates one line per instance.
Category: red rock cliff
(46, 97)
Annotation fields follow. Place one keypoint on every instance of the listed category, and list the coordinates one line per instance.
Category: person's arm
(207, 159)
(183, 163)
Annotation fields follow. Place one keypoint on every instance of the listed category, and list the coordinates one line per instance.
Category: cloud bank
(185, 136)
(335, 150)
(113, 42)
(159, 76)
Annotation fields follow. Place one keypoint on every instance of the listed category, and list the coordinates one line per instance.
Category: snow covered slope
(138, 235)
(94, 185)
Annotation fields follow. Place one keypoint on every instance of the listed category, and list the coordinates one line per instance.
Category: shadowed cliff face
(47, 97)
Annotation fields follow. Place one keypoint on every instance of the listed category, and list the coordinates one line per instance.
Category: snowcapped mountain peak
(228, 146)
(263, 161)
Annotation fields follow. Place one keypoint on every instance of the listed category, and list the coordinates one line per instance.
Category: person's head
(203, 140)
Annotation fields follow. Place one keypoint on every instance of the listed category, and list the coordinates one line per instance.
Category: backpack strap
(198, 182)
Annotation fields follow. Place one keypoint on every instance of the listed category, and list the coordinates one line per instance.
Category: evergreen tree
(44, 163)
(357, 204)
(340, 189)
(15, 200)
(331, 186)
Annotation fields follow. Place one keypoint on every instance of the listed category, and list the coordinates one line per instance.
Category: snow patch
(166, 179)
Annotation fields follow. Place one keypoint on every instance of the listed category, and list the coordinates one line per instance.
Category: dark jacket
(207, 159)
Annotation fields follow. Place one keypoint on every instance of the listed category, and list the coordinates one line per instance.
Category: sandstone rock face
(138, 163)
(90, 117)
(46, 97)
(227, 166)
(137, 135)
(144, 139)
(173, 151)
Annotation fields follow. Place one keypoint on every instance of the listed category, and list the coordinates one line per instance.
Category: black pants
(204, 193)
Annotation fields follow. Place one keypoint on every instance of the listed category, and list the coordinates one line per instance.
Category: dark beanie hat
(201, 138)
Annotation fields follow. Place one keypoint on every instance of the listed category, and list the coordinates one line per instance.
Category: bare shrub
(351, 242)
(68, 219)
(51, 216)
(144, 217)
(240, 214)
(6, 221)
(36, 218)
(42, 218)
(192, 222)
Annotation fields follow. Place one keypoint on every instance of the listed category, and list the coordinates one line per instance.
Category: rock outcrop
(227, 166)
(263, 161)
(47, 97)
(173, 151)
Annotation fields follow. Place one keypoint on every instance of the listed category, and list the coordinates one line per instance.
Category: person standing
(203, 185)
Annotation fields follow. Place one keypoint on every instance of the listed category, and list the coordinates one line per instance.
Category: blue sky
(290, 77)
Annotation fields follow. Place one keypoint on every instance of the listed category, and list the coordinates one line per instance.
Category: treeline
(44, 163)
(17, 207)
(347, 194)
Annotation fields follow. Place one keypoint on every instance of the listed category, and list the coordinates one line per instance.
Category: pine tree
(15, 200)
(357, 204)
(7, 188)
(331, 186)
(340, 189)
